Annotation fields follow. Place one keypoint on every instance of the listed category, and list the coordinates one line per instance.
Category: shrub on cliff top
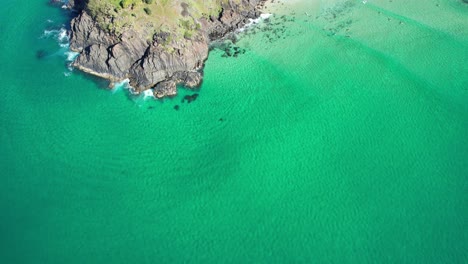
(126, 3)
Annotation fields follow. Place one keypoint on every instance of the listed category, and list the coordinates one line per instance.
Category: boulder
(165, 88)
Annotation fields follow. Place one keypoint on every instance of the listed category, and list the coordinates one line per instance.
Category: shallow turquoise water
(343, 139)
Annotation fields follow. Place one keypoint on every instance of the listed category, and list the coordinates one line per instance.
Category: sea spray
(148, 94)
(62, 38)
(71, 55)
(118, 86)
(60, 35)
(124, 86)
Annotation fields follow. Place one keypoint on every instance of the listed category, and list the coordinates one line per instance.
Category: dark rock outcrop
(165, 88)
(160, 64)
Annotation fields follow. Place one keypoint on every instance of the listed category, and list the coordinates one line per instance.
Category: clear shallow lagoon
(340, 136)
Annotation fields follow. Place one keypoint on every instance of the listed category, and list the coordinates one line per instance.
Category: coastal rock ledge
(150, 54)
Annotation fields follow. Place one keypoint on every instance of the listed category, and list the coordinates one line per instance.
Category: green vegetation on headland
(152, 16)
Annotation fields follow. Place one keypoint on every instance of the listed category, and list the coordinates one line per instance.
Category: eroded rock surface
(161, 62)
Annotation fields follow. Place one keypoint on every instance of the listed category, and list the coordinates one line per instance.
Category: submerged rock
(40, 54)
(189, 98)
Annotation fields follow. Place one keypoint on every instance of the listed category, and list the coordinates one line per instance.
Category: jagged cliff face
(160, 61)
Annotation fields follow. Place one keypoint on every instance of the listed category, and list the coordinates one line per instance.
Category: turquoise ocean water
(339, 136)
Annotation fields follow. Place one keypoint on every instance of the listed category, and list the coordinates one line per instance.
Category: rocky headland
(156, 44)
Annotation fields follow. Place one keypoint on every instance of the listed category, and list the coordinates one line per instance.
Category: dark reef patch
(40, 54)
(189, 98)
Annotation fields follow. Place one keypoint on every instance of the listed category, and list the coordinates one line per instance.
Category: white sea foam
(148, 94)
(265, 16)
(61, 35)
(62, 38)
(124, 84)
(71, 55)
(253, 22)
(48, 33)
(65, 4)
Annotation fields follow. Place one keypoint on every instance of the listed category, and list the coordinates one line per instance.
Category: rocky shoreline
(160, 63)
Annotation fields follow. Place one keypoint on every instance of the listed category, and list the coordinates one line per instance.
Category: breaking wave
(60, 35)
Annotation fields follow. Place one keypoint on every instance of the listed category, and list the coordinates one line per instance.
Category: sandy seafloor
(337, 134)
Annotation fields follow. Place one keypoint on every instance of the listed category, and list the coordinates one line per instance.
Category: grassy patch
(148, 16)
